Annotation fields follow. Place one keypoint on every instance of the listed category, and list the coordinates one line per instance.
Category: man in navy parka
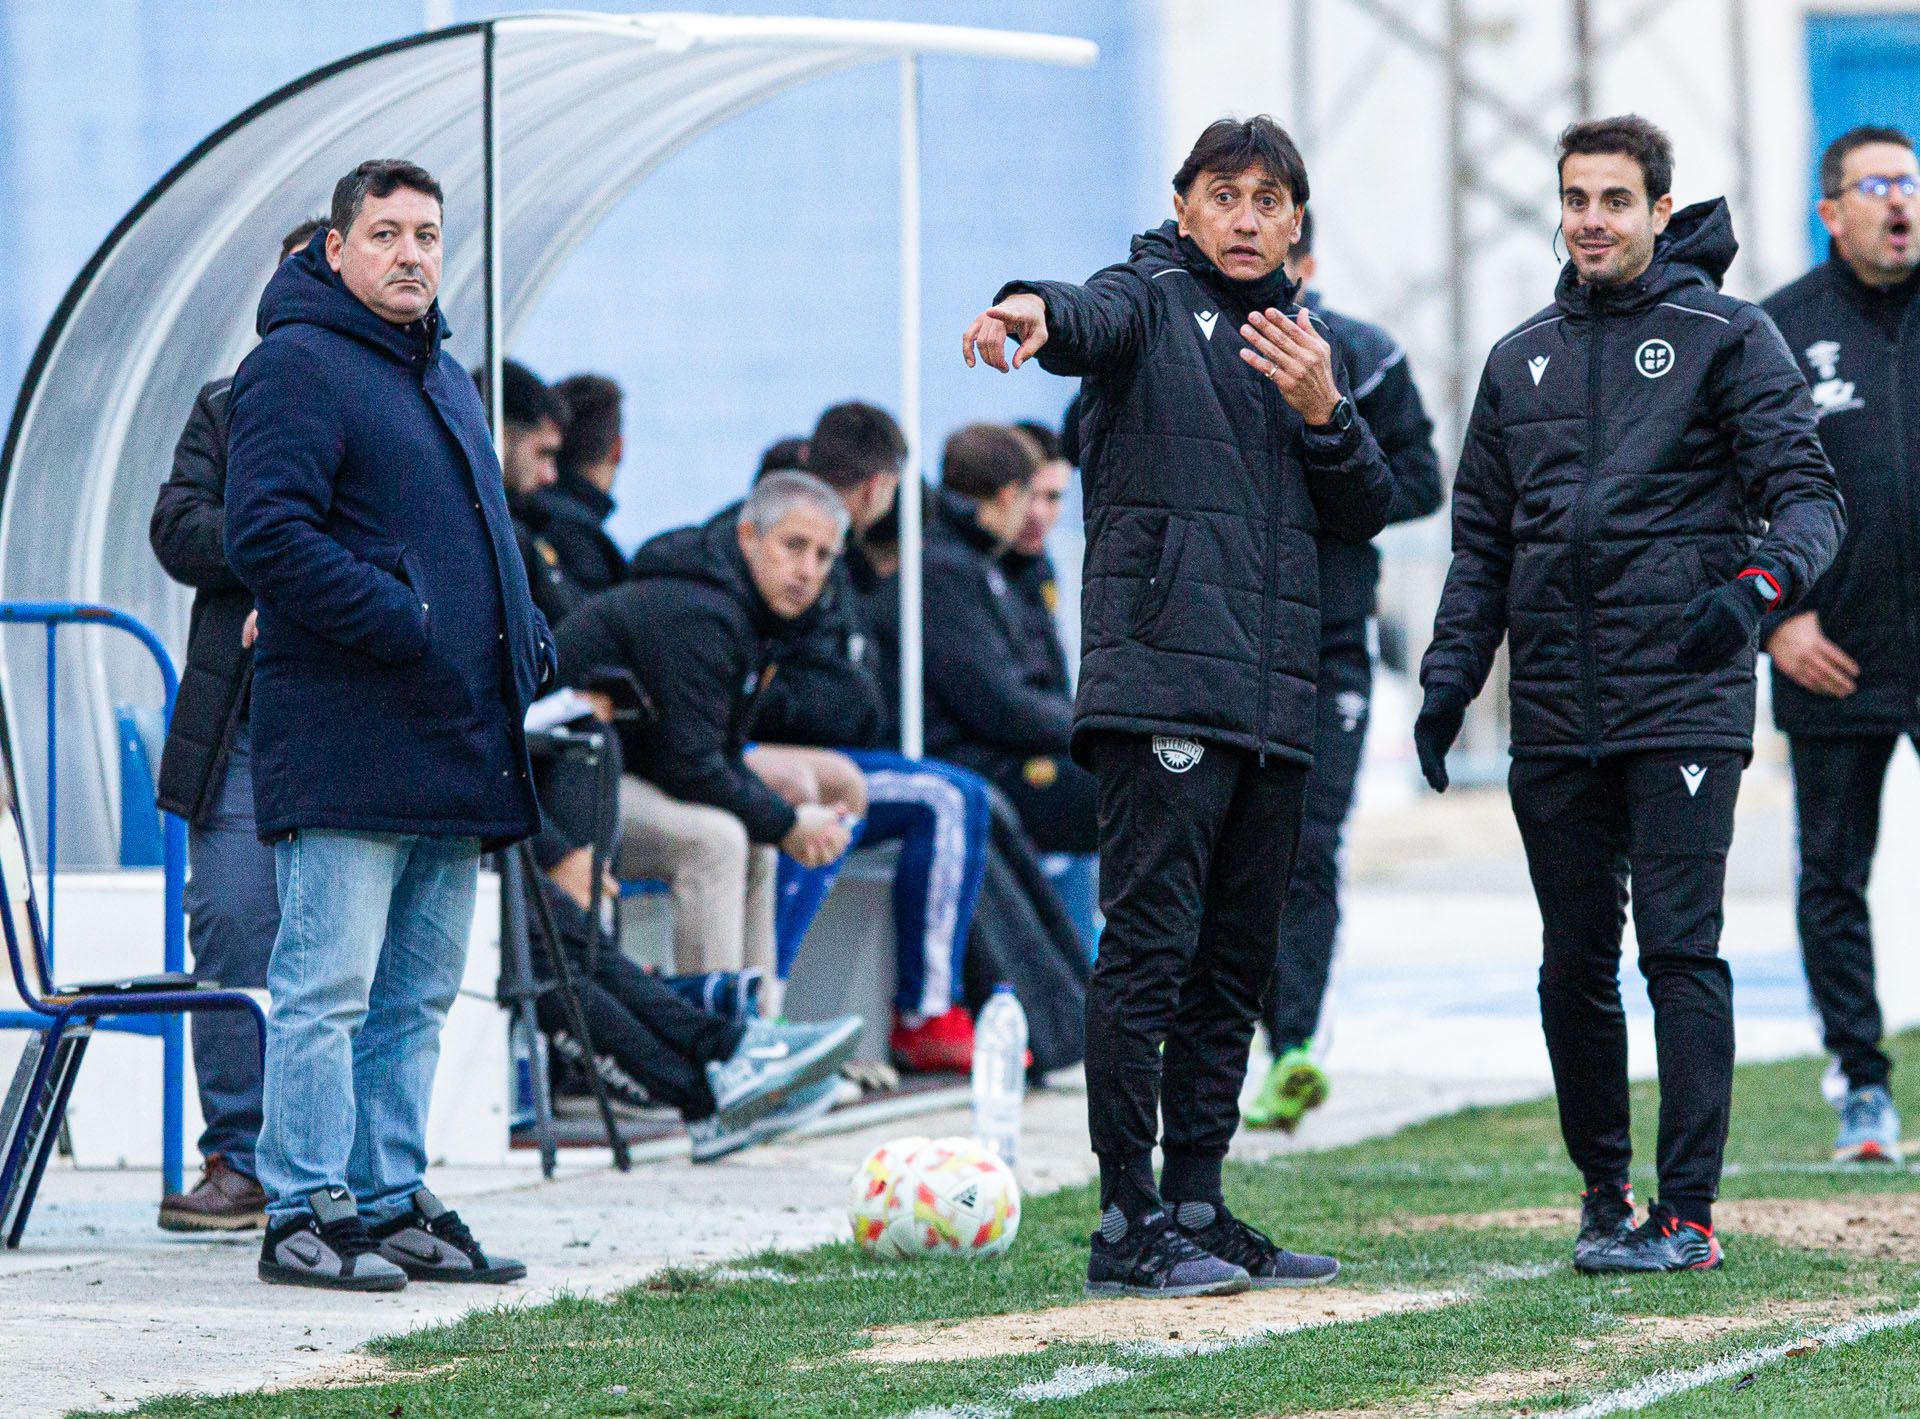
(398, 650)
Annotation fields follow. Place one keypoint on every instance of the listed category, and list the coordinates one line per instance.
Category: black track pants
(1836, 789)
(1196, 844)
(1312, 914)
(1664, 821)
(653, 1034)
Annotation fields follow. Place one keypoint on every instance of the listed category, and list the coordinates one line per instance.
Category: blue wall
(752, 281)
(1862, 69)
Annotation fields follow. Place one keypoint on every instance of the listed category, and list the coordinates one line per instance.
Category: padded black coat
(701, 640)
(1860, 351)
(187, 533)
(1385, 394)
(827, 692)
(1630, 447)
(1204, 494)
(977, 691)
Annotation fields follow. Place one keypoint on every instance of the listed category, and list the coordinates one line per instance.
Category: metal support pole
(1745, 197)
(490, 217)
(1305, 126)
(1582, 60)
(1459, 185)
(912, 726)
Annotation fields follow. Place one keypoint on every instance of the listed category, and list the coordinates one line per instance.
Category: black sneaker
(1606, 1215)
(431, 1243)
(327, 1247)
(1661, 1243)
(1156, 1258)
(1266, 1263)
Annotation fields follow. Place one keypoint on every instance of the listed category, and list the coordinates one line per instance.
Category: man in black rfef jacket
(1628, 446)
(1218, 441)
(1846, 664)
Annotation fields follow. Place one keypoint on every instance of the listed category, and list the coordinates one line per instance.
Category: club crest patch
(1177, 755)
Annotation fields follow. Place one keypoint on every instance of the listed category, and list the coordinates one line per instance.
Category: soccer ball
(949, 1197)
(870, 1193)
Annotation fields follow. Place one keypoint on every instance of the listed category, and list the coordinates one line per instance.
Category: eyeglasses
(1879, 188)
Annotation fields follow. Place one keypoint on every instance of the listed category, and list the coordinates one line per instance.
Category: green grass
(688, 1345)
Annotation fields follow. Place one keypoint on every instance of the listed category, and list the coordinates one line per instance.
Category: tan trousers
(721, 885)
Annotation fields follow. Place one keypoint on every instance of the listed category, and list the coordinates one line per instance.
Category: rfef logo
(1654, 358)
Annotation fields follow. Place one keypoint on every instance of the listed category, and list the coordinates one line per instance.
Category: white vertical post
(912, 739)
(490, 238)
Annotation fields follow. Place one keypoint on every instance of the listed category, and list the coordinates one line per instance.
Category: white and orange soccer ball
(870, 1194)
(948, 1197)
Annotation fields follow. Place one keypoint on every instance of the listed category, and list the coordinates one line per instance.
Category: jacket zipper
(1583, 591)
(1904, 500)
(1267, 397)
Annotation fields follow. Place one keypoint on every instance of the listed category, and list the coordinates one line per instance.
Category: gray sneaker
(713, 1139)
(327, 1247)
(774, 1062)
(430, 1243)
(1869, 1127)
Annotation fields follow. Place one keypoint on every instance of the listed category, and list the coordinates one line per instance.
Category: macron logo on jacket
(1537, 366)
(1206, 319)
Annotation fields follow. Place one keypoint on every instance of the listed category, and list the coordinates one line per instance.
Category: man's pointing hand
(1020, 317)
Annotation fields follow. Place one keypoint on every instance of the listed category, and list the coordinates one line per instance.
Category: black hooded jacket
(1388, 399)
(188, 536)
(977, 693)
(1630, 447)
(1034, 603)
(1860, 351)
(695, 632)
(1205, 494)
(827, 692)
(571, 516)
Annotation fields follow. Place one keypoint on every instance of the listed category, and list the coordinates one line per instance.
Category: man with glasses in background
(1846, 663)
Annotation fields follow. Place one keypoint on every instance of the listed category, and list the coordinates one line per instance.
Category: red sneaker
(940, 1045)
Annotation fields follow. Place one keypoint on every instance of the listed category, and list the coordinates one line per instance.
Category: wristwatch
(1341, 419)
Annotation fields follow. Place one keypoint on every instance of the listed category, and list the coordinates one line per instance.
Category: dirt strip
(1883, 1226)
(1195, 1322)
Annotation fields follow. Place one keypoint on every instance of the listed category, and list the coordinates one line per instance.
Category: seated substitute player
(1642, 480)
(822, 716)
(1054, 796)
(1219, 439)
(700, 638)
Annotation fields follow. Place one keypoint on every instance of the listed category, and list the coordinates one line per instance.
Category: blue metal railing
(170, 1028)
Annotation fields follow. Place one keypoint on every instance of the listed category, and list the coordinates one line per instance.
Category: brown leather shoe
(222, 1201)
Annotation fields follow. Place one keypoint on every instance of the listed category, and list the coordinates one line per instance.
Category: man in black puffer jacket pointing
(1218, 440)
(1641, 481)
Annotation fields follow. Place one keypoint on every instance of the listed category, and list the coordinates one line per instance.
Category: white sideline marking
(1070, 1382)
(1668, 1383)
(751, 1273)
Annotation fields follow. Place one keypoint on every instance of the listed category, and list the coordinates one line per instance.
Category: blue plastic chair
(43, 1083)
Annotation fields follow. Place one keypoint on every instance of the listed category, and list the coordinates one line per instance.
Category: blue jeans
(372, 946)
(233, 912)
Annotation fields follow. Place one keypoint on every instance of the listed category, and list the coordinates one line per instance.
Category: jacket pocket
(1152, 602)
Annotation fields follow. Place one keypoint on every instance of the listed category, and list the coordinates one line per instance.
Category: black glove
(1723, 622)
(1435, 730)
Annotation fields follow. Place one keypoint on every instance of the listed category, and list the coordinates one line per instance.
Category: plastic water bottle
(1000, 1074)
